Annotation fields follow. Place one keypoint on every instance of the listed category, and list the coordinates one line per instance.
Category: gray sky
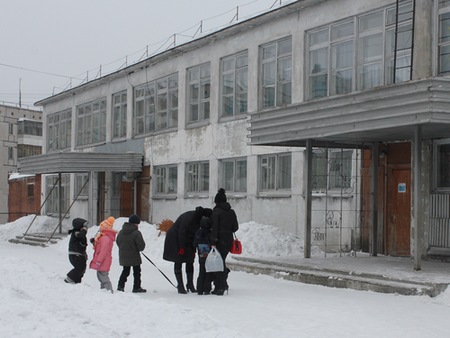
(45, 43)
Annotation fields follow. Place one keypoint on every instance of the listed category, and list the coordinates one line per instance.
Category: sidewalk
(363, 272)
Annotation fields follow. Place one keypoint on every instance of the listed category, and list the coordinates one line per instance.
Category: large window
(199, 91)
(197, 177)
(119, 119)
(276, 73)
(165, 179)
(234, 174)
(275, 172)
(59, 130)
(29, 127)
(361, 53)
(52, 190)
(331, 169)
(156, 105)
(91, 122)
(234, 72)
(442, 164)
(81, 185)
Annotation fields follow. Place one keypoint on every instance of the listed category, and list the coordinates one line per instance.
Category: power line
(38, 71)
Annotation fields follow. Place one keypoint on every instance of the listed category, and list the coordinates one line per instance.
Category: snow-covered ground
(35, 301)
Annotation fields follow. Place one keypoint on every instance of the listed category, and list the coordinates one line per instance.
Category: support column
(60, 201)
(91, 199)
(374, 201)
(417, 196)
(308, 198)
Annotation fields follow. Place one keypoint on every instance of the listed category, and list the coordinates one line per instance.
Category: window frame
(436, 165)
(282, 77)
(59, 130)
(197, 177)
(162, 176)
(52, 203)
(91, 122)
(269, 178)
(321, 39)
(198, 93)
(79, 180)
(119, 114)
(237, 90)
(156, 105)
(327, 182)
(233, 186)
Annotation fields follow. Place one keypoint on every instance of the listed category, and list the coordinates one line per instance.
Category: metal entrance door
(398, 222)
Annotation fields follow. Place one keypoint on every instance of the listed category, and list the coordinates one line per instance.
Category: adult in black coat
(224, 224)
(179, 247)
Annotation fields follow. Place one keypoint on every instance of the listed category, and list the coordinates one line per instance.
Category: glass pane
(341, 82)
(268, 97)
(284, 174)
(228, 84)
(444, 28)
(342, 55)
(372, 48)
(269, 52)
(371, 21)
(227, 64)
(444, 59)
(443, 179)
(228, 175)
(444, 3)
(318, 61)
(319, 171)
(241, 176)
(284, 47)
(342, 30)
(269, 74)
(242, 60)
(318, 86)
(227, 106)
(371, 76)
(172, 181)
(318, 37)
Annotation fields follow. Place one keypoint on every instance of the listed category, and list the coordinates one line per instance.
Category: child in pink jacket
(103, 244)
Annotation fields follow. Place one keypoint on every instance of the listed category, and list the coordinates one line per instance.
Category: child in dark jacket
(202, 243)
(77, 251)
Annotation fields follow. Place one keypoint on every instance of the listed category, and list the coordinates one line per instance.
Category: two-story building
(319, 117)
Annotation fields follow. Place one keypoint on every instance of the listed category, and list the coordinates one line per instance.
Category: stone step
(337, 279)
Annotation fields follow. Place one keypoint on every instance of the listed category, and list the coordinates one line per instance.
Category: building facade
(21, 135)
(303, 114)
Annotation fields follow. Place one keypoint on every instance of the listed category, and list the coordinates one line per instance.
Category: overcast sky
(45, 43)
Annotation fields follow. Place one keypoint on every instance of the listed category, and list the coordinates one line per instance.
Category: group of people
(198, 230)
(201, 230)
(129, 240)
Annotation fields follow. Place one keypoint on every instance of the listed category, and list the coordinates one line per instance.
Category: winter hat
(220, 196)
(134, 219)
(78, 223)
(107, 224)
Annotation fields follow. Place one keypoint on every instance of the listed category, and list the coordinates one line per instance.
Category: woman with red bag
(224, 224)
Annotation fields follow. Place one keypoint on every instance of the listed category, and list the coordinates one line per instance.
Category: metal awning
(75, 162)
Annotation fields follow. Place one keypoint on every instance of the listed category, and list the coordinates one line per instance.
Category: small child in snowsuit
(77, 251)
(103, 245)
(202, 243)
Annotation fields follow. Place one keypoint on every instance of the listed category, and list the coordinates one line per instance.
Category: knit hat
(220, 196)
(78, 223)
(134, 219)
(107, 224)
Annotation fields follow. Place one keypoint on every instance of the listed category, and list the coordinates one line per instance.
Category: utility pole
(20, 93)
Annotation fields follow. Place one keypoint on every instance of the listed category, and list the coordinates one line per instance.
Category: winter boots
(179, 278)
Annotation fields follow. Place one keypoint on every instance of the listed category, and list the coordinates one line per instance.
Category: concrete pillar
(417, 197)
(423, 38)
(308, 199)
(374, 201)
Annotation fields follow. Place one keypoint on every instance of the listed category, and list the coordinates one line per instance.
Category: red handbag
(236, 247)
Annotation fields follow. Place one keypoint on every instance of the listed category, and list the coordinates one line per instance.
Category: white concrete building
(360, 83)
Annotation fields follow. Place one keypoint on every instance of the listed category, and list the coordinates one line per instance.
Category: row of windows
(331, 170)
